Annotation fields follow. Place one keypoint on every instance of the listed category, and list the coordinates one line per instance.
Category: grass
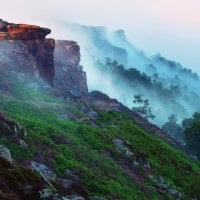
(79, 147)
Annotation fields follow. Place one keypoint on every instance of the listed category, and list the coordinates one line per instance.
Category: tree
(173, 128)
(141, 106)
(187, 122)
(192, 134)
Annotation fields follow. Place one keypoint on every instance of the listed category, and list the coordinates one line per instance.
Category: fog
(166, 26)
(97, 43)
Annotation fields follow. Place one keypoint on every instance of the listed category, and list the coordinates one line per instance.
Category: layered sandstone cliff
(69, 74)
(25, 49)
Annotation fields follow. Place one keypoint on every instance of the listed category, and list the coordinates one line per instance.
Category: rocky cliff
(86, 146)
(69, 75)
(25, 49)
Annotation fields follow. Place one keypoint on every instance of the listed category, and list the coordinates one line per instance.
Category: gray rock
(135, 164)
(44, 170)
(45, 193)
(175, 193)
(23, 144)
(5, 129)
(161, 184)
(5, 154)
(121, 147)
(47, 174)
(65, 183)
(58, 197)
(144, 162)
(87, 110)
(26, 188)
(72, 176)
(75, 93)
(151, 177)
(75, 197)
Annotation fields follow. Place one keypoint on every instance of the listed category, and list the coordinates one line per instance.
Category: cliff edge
(25, 49)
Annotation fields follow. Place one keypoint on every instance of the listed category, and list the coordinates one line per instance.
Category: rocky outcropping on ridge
(26, 50)
(69, 74)
(10, 31)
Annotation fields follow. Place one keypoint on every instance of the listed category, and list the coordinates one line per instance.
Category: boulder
(23, 144)
(48, 194)
(72, 176)
(47, 174)
(75, 197)
(175, 193)
(5, 129)
(90, 112)
(122, 148)
(45, 194)
(5, 154)
(72, 184)
(12, 131)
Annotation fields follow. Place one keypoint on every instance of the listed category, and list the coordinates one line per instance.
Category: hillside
(58, 141)
(170, 87)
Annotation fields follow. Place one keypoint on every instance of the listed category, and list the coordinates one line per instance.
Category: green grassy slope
(70, 144)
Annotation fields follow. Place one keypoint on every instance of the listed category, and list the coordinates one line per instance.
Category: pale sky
(171, 27)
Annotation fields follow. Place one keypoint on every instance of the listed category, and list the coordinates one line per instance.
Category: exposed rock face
(25, 49)
(69, 75)
(27, 32)
(43, 51)
(21, 31)
(43, 170)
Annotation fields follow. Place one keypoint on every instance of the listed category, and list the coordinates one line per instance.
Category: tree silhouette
(141, 106)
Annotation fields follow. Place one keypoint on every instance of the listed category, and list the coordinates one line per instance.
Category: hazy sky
(171, 27)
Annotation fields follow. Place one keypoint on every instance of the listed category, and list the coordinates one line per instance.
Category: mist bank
(169, 87)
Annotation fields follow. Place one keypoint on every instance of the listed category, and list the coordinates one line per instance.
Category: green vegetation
(174, 129)
(67, 144)
(141, 106)
(192, 134)
(134, 78)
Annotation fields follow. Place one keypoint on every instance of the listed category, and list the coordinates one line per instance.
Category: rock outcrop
(25, 49)
(10, 31)
(69, 74)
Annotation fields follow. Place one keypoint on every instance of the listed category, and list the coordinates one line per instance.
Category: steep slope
(60, 142)
(106, 153)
